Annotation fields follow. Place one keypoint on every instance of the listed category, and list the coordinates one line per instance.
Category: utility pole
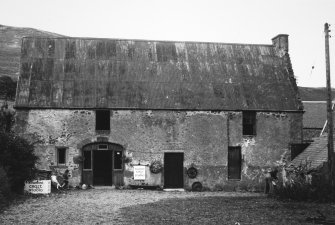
(329, 111)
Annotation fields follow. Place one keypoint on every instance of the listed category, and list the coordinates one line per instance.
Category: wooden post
(329, 110)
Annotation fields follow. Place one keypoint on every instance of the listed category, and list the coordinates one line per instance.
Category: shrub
(304, 184)
(4, 188)
(6, 118)
(17, 159)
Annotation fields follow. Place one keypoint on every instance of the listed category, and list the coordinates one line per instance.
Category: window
(102, 120)
(61, 156)
(249, 123)
(117, 159)
(87, 160)
(234, 163)
(103, 147)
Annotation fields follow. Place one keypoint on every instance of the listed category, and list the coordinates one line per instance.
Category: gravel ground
(140, 207)
(95, 206)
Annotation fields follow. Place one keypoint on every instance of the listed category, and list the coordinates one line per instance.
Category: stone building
(213, 114)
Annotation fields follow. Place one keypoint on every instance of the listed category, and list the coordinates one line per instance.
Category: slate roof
(316, 153)
(143, 74)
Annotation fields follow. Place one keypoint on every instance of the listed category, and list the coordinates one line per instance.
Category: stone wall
(202, 136)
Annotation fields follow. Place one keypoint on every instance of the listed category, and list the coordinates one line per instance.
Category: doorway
(103, 164)
(174, 170)
(102, 170)
(234, 162)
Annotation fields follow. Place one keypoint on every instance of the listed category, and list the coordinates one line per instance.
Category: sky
(233, 21)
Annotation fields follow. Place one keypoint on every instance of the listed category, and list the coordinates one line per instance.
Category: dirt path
(95, 206)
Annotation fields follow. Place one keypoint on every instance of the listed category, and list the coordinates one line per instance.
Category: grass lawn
(224, 210)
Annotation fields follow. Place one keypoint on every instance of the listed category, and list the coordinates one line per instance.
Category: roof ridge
(149, 40)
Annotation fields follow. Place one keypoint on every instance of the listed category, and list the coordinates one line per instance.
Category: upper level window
(249, 123)
(102, 120)
(61, 156)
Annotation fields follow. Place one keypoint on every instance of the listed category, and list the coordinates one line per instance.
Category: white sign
(139, 172)
(38, 186)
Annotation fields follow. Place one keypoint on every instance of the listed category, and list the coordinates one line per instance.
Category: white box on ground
(38, 186)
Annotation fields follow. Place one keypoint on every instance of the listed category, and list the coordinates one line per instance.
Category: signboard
(139, 172)
(38, 186)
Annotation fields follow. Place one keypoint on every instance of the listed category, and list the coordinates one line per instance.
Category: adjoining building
(314, 119)
(214, 115)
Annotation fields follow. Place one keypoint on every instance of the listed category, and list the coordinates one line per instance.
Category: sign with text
(139, 172)
(38, 186)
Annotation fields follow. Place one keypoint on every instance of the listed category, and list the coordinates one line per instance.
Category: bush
(4, 188)
(17, 159)
(304, 184)
(6, 118)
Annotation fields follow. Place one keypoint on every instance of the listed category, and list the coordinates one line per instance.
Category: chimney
(280, 42)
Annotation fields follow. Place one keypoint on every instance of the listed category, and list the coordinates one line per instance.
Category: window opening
(117, 159)
(249, 123)
(61, 156)
(102, 120)
(103, 147)
(87, 160)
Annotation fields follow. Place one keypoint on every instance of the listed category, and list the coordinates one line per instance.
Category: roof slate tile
(110, 73)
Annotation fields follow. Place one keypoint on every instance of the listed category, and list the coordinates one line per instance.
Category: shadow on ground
(223, 210)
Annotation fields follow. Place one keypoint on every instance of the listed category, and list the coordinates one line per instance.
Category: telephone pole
(329, 111)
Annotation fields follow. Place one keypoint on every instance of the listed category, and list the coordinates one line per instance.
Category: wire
(144, 152)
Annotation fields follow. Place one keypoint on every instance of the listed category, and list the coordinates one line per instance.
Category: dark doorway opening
(174, 170)
(103, 168)
(234, 162)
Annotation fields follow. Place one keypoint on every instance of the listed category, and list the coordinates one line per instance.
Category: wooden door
(234, 162)
(87, 177)
(174, 170)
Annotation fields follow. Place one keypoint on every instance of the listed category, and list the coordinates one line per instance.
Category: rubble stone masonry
(203, 137)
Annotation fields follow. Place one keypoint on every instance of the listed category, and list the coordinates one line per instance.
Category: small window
(117, 159)
(103, 147)
(234, 163)
(61, 156)
(87, 160)
(249, 123)
(102, 120)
